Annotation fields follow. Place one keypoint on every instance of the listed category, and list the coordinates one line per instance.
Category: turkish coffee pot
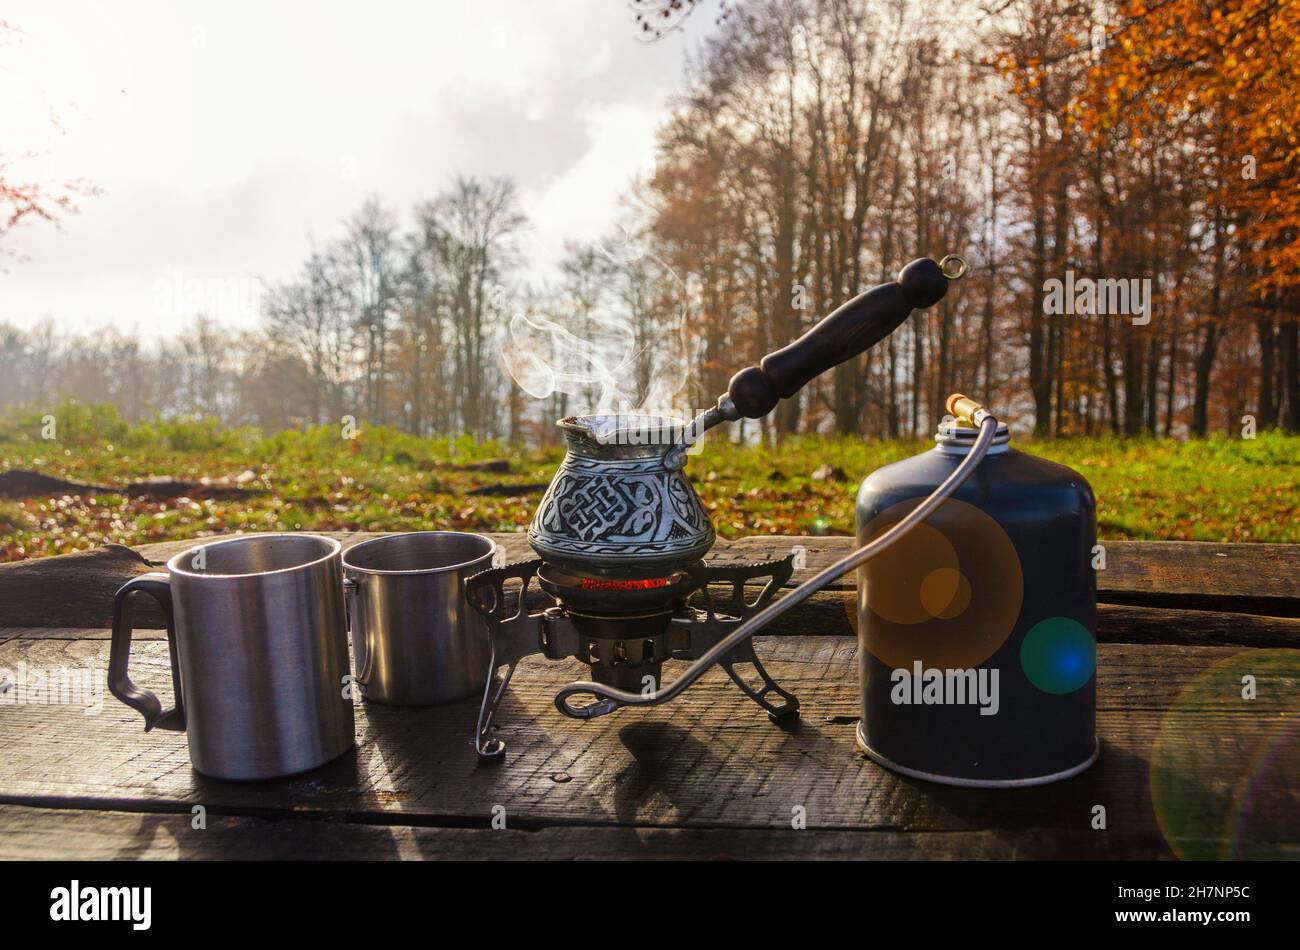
(620, 534)
(621, 502)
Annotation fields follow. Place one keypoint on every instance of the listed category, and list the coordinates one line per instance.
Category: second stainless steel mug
(259, 654)
(415, 639)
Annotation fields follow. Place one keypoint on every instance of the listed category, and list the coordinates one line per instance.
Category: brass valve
(967, 411)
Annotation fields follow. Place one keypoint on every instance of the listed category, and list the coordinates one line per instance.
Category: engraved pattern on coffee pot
(603, 510)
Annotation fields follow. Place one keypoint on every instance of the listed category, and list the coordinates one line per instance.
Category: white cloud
(586, 200)
(226, 137)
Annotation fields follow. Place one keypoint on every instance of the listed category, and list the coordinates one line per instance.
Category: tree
(655, 19)
(24, 201)
(480, 218)
(370, 252)
(307, 324)
(1237, 63)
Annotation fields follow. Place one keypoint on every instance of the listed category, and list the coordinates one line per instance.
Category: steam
(545, 357)
(620, 344)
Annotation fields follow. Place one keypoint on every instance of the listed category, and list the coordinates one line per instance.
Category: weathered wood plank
(708, 760)
(1248, 578)
(76, 590)
(73, 633)
(1260, 574)
(834, 613)
(28, 833)
(62, 591)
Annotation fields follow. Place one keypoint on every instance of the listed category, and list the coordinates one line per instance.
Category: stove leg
(489, 749)
(735, 608)
(513, 632)
(787, 708)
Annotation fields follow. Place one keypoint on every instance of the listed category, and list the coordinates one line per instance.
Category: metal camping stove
(620, 536)
(623, 627)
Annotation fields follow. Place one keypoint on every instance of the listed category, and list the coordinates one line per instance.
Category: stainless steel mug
(259, 654)
(415, 639)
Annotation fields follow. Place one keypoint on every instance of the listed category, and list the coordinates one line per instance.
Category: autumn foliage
(25, 200)
(1161, 139)
(1235, 67)
(814, 148)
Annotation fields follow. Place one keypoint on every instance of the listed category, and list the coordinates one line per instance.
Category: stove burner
(612, 594)
(622, 622)
(624, 628)
(602, 583)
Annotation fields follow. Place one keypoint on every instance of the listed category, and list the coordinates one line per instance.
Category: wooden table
(1188, 766)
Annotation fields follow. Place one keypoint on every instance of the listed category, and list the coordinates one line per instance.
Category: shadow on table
(1056, 821)
(667, 762)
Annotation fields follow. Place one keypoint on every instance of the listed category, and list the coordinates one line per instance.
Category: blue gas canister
(977, 630)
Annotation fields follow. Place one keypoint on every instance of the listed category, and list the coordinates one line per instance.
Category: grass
(1214, 490)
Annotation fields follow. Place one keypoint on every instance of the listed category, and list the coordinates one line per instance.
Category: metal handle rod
(608, 699)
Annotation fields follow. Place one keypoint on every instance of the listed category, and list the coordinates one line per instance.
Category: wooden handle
(859, 324)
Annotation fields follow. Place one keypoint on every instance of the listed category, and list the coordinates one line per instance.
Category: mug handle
(351, 590)
(156, 585)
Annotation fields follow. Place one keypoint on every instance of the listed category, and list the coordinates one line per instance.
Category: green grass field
(1214, 490)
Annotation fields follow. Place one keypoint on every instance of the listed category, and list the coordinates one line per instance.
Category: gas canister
(977, 630)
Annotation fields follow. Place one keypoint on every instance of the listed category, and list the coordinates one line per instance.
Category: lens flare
(1058, 655)
(948, 593)
(1226, 760)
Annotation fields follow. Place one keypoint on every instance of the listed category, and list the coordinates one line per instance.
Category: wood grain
(72, 590)
(708, 761)
(76, 590)
(28, 833)
(1247, 578)
(834, 613)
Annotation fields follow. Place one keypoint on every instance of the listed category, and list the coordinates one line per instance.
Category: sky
(228, 138)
